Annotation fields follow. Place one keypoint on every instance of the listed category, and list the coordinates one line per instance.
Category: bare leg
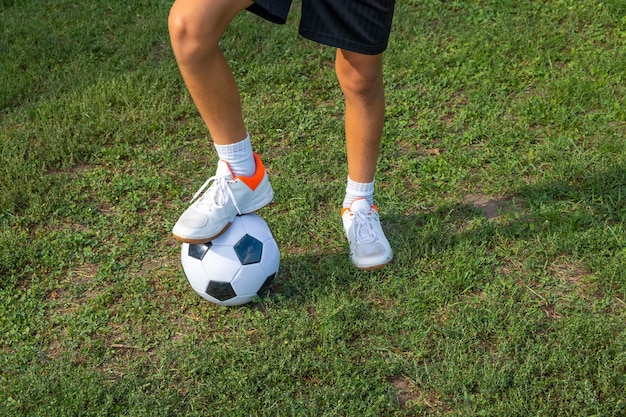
(361, 80)
(196, 27)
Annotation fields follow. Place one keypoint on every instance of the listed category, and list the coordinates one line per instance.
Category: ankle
(358, 190)
(238, 156)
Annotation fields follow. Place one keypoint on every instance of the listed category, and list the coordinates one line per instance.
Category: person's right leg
(360, 30)
(196, 27)
(361, 80)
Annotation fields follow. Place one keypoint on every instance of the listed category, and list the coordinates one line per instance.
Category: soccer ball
(235, 267)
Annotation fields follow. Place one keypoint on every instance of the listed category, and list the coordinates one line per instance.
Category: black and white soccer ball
(236, 266)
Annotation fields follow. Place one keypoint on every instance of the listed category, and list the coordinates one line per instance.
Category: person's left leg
(361, 80)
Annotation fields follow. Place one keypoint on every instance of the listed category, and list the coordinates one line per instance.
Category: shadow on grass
(577, 219)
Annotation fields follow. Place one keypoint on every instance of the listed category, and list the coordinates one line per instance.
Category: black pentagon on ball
(220, 290)
(249, 250)
(199, 250)
(266, 285)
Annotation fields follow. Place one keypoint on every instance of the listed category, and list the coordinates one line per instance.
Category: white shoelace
(217, 195)
(363, 229)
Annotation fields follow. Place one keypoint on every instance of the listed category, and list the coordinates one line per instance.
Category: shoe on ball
(213, 210)
(369, 248)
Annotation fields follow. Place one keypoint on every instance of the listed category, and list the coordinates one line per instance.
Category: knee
(192, 38)
(360, 76)
(360, 84)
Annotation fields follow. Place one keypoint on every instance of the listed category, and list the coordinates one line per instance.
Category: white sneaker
(369, 248)
(214, 210)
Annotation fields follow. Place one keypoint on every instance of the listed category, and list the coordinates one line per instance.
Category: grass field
(501, 183)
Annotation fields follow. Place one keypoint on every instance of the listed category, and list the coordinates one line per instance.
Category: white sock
(239, 157)
(356, 190)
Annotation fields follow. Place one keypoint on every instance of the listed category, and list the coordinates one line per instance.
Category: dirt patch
(407, 392)
(404, 391)
(492, 207)
(569, 272)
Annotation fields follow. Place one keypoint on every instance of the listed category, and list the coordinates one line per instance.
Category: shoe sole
(374, 267)
(203, 240)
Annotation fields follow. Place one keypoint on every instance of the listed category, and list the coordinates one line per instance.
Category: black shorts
(355, 25)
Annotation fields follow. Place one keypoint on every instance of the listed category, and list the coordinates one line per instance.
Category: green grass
(502, 184)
